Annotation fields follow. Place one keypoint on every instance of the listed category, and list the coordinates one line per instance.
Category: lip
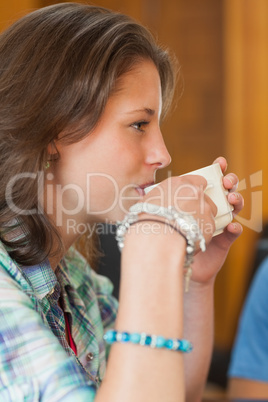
(140, 189)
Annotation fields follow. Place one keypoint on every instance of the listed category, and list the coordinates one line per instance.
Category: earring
(47, 165)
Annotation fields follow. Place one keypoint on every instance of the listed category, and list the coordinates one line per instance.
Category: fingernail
(235, 196)
(234, 226)
(230, 180)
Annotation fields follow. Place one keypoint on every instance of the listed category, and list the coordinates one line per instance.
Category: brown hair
(58, 66)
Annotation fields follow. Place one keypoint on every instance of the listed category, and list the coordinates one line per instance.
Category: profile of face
(101, 176)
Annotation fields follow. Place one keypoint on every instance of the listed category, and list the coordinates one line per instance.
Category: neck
(67, 241)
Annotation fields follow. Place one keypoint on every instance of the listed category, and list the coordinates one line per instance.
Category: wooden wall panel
(13, 9)
(195, 131)
(246, 143)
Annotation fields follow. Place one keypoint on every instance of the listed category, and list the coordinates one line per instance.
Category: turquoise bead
(135, 338)
(125, 337)
(110, 336)
(169, 344)
(160, 342)
(148, 340)
(185, 346)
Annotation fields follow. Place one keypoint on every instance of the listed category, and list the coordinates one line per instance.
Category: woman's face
(100, 177)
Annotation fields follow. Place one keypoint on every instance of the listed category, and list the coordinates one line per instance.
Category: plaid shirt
(36, 362)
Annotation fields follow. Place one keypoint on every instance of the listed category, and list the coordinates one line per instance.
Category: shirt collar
(62, 274)
(42, 278)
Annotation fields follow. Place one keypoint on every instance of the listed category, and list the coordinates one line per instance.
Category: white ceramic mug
(216, 192)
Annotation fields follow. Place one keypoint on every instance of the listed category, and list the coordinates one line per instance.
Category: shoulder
(10, 273)
(250, 352)
(255, 307)
(258, 292)
(262, 271)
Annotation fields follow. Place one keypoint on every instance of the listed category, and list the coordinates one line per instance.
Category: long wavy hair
(58, 67)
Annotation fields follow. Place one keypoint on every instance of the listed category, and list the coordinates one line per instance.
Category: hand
(206, 265)
(186, 194)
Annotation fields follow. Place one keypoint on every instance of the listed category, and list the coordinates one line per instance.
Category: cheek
(102, 192)
(122, 163)
(130, 156)
(102, 183)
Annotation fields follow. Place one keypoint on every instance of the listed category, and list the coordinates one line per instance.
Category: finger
(223, 163)
(237, 201)
(234, 230)
(230, 182)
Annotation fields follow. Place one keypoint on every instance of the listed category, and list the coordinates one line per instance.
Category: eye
(140, 125)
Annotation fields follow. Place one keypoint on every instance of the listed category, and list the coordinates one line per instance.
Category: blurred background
(222, 102)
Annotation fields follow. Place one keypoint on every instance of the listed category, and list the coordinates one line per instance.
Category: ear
(52, 151)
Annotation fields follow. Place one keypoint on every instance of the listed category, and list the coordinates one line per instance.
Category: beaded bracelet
(153, 341)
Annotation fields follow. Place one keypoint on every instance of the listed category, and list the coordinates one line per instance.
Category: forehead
(142, 71)
(138, 89)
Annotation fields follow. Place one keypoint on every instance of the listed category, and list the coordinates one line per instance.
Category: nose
(157, 153)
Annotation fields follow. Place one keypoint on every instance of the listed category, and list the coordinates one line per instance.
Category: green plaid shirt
(36, 362)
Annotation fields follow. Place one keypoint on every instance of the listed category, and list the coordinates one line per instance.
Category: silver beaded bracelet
(184, 223)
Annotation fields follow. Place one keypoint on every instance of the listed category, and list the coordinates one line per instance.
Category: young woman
(83, 92)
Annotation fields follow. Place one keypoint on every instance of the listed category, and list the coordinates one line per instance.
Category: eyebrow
(147, 110)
